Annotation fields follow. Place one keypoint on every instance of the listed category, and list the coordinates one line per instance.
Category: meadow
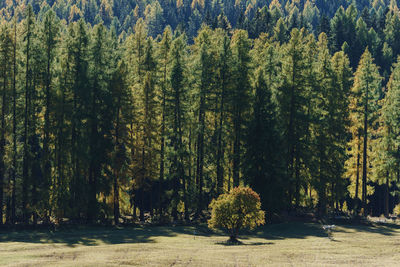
(286, 244)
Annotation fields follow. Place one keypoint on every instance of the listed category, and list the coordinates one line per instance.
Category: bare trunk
(14, 157)
(387, 196)
(357, 173)
(365, 156)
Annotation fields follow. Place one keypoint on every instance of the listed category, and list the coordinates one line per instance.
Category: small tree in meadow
(238, 209)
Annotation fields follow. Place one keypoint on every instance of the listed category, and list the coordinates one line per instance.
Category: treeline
(97, 125)
(186, 15)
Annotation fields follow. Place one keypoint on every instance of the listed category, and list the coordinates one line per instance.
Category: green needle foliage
(117, 111)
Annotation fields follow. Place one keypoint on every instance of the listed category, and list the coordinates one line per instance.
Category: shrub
(396, 210)
(238, 209)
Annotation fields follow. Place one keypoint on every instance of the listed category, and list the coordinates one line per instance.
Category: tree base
(233, 241)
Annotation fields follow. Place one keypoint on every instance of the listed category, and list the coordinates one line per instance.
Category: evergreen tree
(49, 38)
(224, 83)
(386, 146)
(293, 97)
(5, 82)
(29, 28)
(262, 160)
(204, 66)
(176, 109)
(77, 54)
(239, 97)
(366, 90)
(164, 51)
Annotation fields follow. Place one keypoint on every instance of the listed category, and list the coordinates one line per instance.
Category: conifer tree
(386, 147)
(29, 28)
(293, 99)
(14, 123)
(49, 38)
(77, 53)
(262, 161)
(224, 77)
(239, 96)
(5, 82)
(164, 51)
(176, 108)
(204, 65)
(367, 90)
(123, 116)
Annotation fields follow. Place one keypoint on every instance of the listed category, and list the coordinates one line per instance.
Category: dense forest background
(129, 110)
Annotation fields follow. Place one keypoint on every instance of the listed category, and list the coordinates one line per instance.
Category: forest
(126, 110)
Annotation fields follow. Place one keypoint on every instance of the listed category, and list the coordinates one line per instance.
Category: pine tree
(77, 54)
(164, 51)
(262, 161)
(330, 112)
(5, 81)
(339, 118)
(149, 125)
(292, 98)
(239, 96)
(224, 77)
(49, 36)
(99, 118)
(204, 65)
(29, 28)
(14, 123)
(386, 160)
(366, 89)
(176, 109)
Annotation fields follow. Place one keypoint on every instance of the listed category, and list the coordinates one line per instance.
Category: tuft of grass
(287, 244)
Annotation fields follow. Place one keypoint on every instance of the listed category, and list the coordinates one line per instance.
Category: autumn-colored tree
(238, 209)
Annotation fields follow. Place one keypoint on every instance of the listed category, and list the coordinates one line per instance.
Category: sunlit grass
(289, 244)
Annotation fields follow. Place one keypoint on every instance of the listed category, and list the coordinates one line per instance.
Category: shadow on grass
(228, 244)
(304, 230)
(95, 235)
(289, 230)
(387, 229)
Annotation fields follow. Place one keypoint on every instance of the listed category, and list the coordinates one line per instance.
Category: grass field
(288, 244)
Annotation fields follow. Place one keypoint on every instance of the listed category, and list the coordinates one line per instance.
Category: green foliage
(238, 209)
(113, 107)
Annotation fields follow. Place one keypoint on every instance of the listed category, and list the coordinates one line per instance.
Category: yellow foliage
(240, 208)
(396, 209)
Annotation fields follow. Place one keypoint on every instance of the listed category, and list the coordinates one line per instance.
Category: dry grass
(289, 244)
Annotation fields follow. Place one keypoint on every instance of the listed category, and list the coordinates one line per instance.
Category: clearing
(286, 244)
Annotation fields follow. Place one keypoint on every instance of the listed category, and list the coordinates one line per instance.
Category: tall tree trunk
(162, 149)
(290, 135)
(74, 156)
(32, 125)
(387, 196)
(220, 147)
(236, 147)
(26, 157)
(93, 168)
(60, 154)
(3, 140)
(200, 153)
(297, 180)
(117, 167)
(357, 172)
(365, 151)
(46, 153)
(14, 119)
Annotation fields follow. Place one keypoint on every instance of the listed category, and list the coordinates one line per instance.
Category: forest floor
(286, 244)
